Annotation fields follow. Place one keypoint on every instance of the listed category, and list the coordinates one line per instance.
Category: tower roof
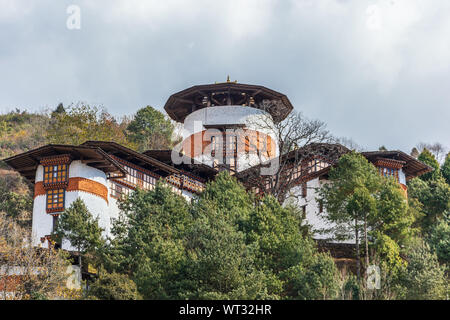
(182, 103)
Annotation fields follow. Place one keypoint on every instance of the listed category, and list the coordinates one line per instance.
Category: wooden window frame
(60, 170)
(50, 203)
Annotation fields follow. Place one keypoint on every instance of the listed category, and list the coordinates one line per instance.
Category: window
(388, 172)
(320, 206)
(117, 190)
(231, 162)
(232, 144)
(55, 200)
(304, 211)
(55, 221)
(136, 178)
(55, 173)
(304, 190)
(215, 145)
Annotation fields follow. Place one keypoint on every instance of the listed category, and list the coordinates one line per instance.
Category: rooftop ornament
(181, 104)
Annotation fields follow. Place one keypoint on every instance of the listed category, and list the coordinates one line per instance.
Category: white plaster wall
(113, 209)
(313, 217)
(96, 205)
(251, 117)
(244, 161)
(39, 173)
(218, 115)
(79, 169)
(402, 177)
(42, 222)
(187, 195)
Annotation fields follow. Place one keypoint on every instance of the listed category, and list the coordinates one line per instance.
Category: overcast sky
(375, 71)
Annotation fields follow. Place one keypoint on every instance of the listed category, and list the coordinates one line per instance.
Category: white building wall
(252, 118)
(96, 205)
(401, 177)
(106, 211)
(81, 170)
(220, 115)
(313, 217)
(42, 222)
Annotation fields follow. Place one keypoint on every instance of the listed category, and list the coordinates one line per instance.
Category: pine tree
(350, 199)
(428, 158)
(77, 225)
(445, 169)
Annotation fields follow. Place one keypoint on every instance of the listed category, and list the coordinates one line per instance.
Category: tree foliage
(428, 158)
(113, 286)
(150, 129)
(82, 122)
(77, 226)
(26, 271)
(424, 278)
(433, 197)
(439, 239)
(445, 169)
(222, 245)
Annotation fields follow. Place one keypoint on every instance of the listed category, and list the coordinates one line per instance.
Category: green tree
(113, 286)
(150, 129)
(316, 279)
(59, 110)
(82, 122)
(393, 216)
(434, 197)
(148, 243)
(222, 245)
(77, 225)
(14, 204)
(424, 278)
(350, 199)
(445, 169)
(428, 158)
(439, 239)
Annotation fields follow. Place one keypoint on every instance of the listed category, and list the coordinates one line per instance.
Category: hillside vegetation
(21, 131)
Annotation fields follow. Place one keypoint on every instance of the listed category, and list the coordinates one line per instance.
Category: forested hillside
(21, 131)
(228, 244)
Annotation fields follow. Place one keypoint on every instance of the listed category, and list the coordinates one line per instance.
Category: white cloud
(333, 58)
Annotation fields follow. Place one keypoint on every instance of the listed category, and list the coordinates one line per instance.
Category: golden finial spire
(228, 80)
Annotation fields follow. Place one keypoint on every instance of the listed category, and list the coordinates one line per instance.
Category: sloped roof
(188, 164)
(180, 104)
(412, 167)
(26, 163)
(140, 159)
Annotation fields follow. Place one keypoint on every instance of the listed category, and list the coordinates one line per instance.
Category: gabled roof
(134, 157)
(330, 152)
(26, 163)
(188, 164)
(180, 104)
(412, 167)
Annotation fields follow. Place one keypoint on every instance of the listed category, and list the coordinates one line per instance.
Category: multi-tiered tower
(229, 125)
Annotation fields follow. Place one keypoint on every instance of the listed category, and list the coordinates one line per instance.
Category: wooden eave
(412, 167)
(181, 104)
(139, 159)
(26, 163)
(189, 165)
